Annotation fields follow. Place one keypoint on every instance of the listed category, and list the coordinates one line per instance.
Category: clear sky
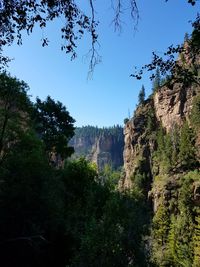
(112, 94)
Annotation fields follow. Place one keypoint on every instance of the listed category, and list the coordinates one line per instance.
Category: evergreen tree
(196, 240)
(157, 80)
(172, 240)
(195, 113)
(160, 229)
(175, 136)
(186, 37)
(186, 149)
(141, 96)
(161, 224)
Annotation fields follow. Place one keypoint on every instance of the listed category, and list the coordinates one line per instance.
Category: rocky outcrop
(173, 106)
(162, 163)
(101, 146)
(167, 107)
(107, 150)
(138, 146)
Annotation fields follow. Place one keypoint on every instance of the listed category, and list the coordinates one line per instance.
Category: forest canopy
(56, 214)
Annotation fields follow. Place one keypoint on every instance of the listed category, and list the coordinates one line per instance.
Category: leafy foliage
(55, 126)
(175, 233)
(168, 63)
(19, 16)
(14, 106)
(66, 216)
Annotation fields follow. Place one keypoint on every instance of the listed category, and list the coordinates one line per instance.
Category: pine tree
(186, 37)
(161, 224)
(157, 80)
(195, 113)
(196, 240)
(141, 96)
(187, 151)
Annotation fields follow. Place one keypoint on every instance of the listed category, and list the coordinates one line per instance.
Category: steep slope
(101, 146)
(162, 160)
(167, 108)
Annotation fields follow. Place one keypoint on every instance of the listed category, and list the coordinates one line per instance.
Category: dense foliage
(13, 95)
(61, 212)
(55, 126)
(95, 132)
(52, 216)
(167, 172)
(175, 228)
(174, 238)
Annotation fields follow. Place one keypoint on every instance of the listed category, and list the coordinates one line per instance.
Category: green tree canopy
(14, 108)
(55, 126)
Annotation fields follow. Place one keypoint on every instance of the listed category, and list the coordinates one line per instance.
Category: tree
(18, 16)
(31, 206)
(157, 80)
(186, 149)
(186, 37)
(196, 239)
(55, 126)
(168, 65)
(141, 96)
(195, 113)
(14, 108)
(126, 120)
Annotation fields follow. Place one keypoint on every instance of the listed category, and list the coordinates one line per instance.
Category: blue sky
(111, 94)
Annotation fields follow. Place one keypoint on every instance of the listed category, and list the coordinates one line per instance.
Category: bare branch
(119, 11)
(93, 54)
(117, 18)
(134, 13)
(95, 59)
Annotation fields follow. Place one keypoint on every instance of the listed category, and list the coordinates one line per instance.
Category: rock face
(168, 107)
(162, 163)
(173, 106)
(101, 146)
(137, 147)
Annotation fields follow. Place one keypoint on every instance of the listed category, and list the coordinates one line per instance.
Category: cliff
(162, 160)
(101, 146)
(168, 108)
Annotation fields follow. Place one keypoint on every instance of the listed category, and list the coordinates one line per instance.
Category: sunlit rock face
(107, 150)
(100, 146)
(173, 106)
(137, 145)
